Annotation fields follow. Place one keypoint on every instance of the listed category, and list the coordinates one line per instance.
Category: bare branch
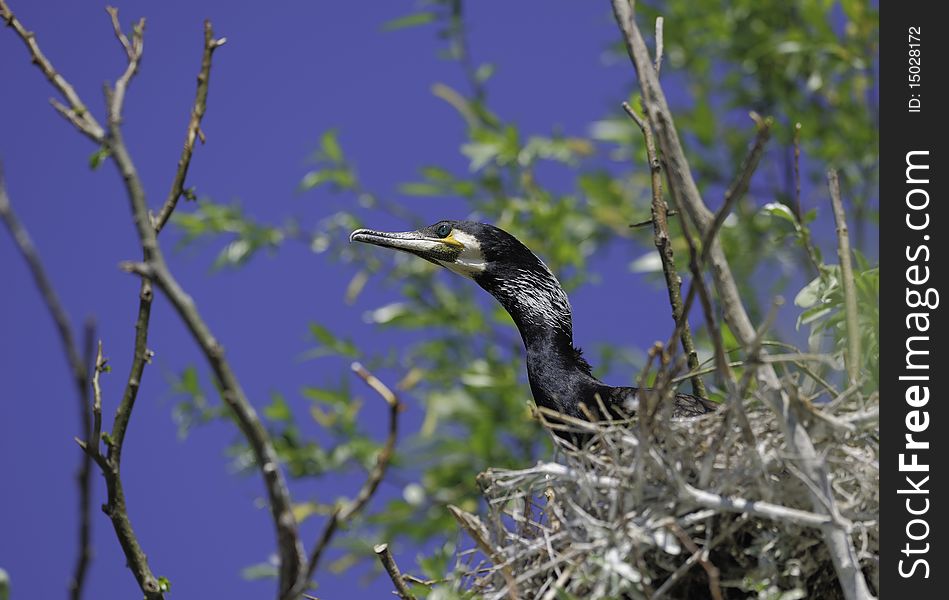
(846, 276)
(133, 51)
(388, 562)
(194, 126)
(659, 44)
(714, 587)
(77, 363)
(740, 184)
(77, 113)
(663, 245)
(375, 476)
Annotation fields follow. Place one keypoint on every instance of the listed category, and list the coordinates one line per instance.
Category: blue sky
(288, 72)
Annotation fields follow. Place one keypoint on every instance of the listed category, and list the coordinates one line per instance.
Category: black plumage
(560, 378)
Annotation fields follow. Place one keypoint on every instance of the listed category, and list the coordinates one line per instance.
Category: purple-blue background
(288, 72)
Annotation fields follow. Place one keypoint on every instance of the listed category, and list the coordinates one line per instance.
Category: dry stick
(479, 533)
(660, 229)
(659, 44)
(686, 194)
(662, 590)
(78, 365)
(846, 275)
(388, 562)
(736, 190)
(76, 113)
(798, 207)
(714, 586)
(194, 127)
(345, 512)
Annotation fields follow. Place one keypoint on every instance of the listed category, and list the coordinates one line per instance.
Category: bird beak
(415, 242)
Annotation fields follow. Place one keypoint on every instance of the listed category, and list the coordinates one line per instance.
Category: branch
(687, 196)
(385, 557)
(660, 228)
(714, 586)
(846, 276)
(739, 186)
(288, 542)
(115, 507)
(77, 365)
(76, 113)
(369, 487)
(133, 51)
(194, 126)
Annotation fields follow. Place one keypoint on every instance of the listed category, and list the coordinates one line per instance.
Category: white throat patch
(471, 261)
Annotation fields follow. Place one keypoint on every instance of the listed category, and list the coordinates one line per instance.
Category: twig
(479, 533)
(347, 511)
(766, 510)
(133, 51)
(100, 367)
(714, 587)
(659, 45)
(664, 246)
(78, 366)
(292, 559)
(194, 126)
(388, 562)
(739, 186)
(662, 590)
(77, 113)
(687, 196)
(669, 213)
(846, 277)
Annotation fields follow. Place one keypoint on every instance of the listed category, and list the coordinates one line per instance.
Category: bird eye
(442, 229)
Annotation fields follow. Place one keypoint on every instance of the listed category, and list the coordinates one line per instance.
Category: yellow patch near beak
(451, 241)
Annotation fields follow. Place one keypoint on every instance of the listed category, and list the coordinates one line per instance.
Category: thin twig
(664, 246)
(194, 127)
(133, 51)
(736, 190)
(100, 367)
(659, 45)
(388, 563)
(77, 113)
(714, 586)
(345, 512)
(78, 366)
(667, 585)
(847, 281)
(479, 533)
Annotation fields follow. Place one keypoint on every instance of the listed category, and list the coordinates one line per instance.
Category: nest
(713, 507)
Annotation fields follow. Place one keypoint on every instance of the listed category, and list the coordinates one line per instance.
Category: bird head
(493, 258)
(465, 247)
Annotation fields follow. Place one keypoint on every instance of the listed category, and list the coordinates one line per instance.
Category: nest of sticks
(713, 507)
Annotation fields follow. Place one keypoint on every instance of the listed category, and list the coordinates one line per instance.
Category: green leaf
(259, 571)
(96, 158)
(332, 151)
(776, 209)
(278, 409)
(810, 293)
(412, 20)
(164, 584)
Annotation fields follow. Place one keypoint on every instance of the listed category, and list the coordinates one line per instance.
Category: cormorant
(560, 378)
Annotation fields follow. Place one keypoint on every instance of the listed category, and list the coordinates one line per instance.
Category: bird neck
(559, 377)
